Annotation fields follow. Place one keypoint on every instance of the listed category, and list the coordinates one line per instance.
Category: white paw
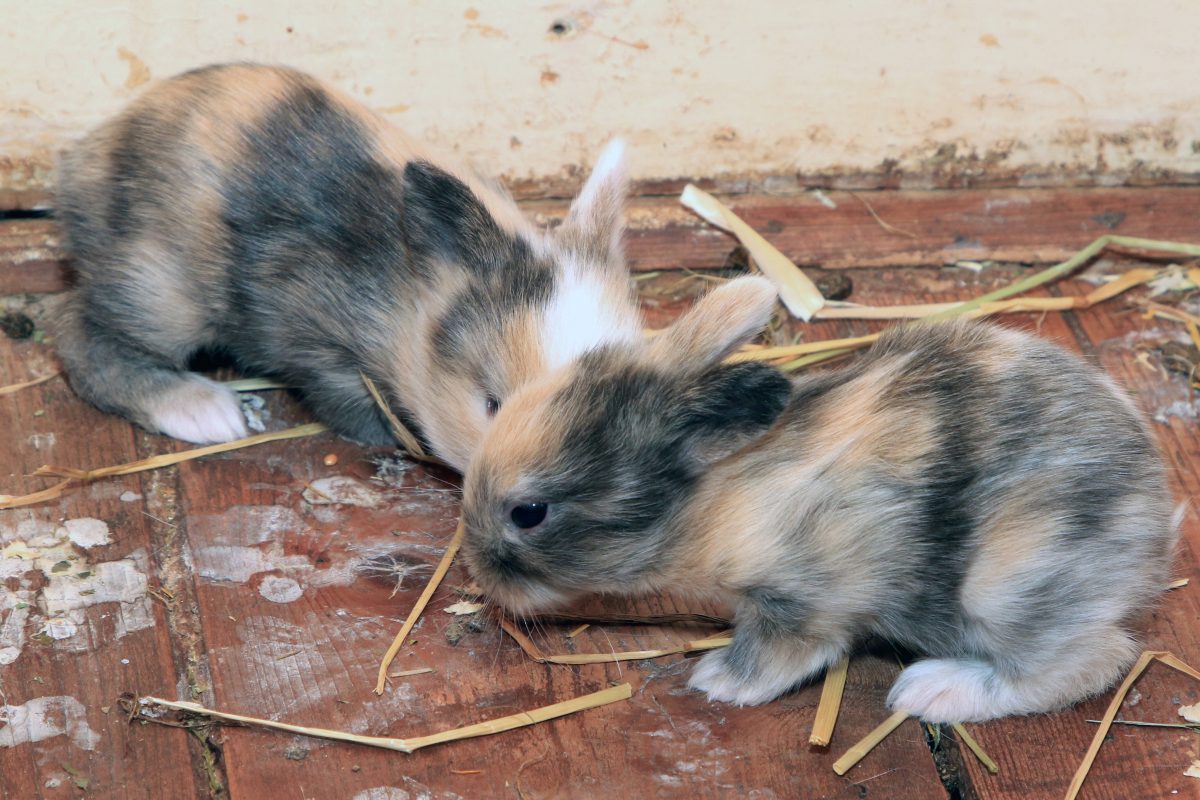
(714, 677)
(199, 410)
(947, 690)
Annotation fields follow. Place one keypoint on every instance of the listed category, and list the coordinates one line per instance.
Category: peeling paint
(413, 790)
(341, 490)
(86, 532)
(71, 585)
(44, 718)
(1018, 85)
(139, 73)
(280, 590)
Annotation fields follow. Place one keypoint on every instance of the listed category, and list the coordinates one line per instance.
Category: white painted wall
(1032, 91)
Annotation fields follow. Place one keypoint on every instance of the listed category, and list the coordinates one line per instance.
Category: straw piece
(408, 673)
(16, 387)
(537, 655)
(579, 630)
(402, 434)
(1193, 332)
(170, 459)
(520, 720)
(868, 743)
(886, 226)
(975, 748)
(442, 568)
(72, 475)
(254, 385)
(52, 493)
(1170, 312)
(1115, 705)
(1068, 266)
(631, 619)
(611, 695)
(830, 703)
(1134, 277)
(797, 292)
(789, 350)
(463, 607)
(1024, 285)
(1179, 584)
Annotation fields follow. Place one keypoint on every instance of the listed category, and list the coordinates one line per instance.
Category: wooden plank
(299, 659)
(256, 542)
(32, 259)
(922, 228)
(1040, 754)
(61, 672)
(938, 227)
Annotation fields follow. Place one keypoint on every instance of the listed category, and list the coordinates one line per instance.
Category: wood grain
(116, 647)
(936, 227)
(281, 606)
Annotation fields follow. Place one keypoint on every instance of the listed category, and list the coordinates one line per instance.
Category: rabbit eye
(493, 405)
(528, 515)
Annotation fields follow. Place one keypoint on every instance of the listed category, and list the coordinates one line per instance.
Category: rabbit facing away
(254, 211)
(971, 493)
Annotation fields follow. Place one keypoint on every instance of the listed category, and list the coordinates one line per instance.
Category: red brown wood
(1041, 753)
(32, 260)
(281, 607)
(312, 661)
(62, 723)
(937, 227)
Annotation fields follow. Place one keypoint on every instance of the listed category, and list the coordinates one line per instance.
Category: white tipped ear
(721, 322)
(595, 221)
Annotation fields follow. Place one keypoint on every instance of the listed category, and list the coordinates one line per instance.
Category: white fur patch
(579, 319)
(609, 168)
(201, 411)
(953, 690)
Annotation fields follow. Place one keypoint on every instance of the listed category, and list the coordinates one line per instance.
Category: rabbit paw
(714, 676)
(199, 410)
(948, 690)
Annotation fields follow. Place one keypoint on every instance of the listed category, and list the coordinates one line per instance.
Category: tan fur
(525, 435)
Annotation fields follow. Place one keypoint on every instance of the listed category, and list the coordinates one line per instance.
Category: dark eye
(493, 405)
(528, 515)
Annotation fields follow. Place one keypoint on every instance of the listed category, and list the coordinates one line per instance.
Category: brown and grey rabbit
(253, 210)
(968, 492)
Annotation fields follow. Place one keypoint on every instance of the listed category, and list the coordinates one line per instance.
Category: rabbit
(968, 492)
(253, 211)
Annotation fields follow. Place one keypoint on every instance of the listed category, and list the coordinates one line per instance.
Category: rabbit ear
(728, 406)
(595, 222)
(722, 321)
(445, 218)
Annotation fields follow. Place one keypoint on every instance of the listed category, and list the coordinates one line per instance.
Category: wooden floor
(225, 582)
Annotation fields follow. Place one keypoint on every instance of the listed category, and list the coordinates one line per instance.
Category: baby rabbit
(969, 492)
(254, 211)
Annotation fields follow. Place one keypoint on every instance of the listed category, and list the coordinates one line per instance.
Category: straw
(402, 434)
(1024, 285)
(442, 568)
(16, 387)
(73, 475)
(1134, 277)
(536, 654)
(868, 743)
(254, 385)
(1115, 705)
(974, 746)
(519, 720)
(797, 292)
(830, 703)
